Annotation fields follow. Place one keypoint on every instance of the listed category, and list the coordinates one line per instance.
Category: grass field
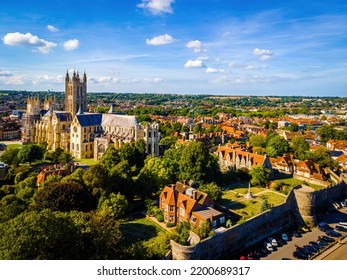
(153, 240)
(14, 146)
(234, 198)
(86, 161)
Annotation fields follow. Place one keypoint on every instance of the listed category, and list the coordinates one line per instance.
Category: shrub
(169, 225)
(159, 216)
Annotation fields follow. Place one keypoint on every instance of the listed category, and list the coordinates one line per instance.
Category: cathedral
(83, 134)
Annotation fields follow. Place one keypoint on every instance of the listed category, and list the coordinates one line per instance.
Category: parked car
(285, 237)
(333, 233)
(306, 228)
(250, 256)
(280, 241)
(323, 226)
(303, 251)
(343, 224)
(296, 233)
(343, 203)
(311, 249)
(268, 246)
(299, 255)
(341, 228)
(273, 241)
(322, 243)
(326, 238)
(316, 245)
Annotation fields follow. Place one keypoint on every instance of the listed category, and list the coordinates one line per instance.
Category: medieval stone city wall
(301, 206)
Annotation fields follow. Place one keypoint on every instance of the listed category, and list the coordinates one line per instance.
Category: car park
(272, 241)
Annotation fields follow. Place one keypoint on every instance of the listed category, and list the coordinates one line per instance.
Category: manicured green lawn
(86, 161)
(153, 240)
(293, 182)
(238, 203)
(14, 146)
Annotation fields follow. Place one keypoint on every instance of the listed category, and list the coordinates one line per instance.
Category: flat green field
(86, 161)
(234, 198)
(152, 239)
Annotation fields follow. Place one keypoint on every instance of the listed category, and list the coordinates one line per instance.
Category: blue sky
(229, 47)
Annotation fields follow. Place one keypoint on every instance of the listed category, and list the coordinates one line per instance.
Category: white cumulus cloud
(195, 45)
(160, 40)
(263, 54)
(28, 39)
(71, 45)
(214, 70)
(52, 28)
(157, 7)
(194, 64)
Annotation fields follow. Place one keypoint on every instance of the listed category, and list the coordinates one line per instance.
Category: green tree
(260, 176)
(10, 207)
(171, 158)
(323, 158)
(204, 229)
(96, 177)
(30, 153)
(154, 175)
(114, 207)
(257, 141)
(64, 197)
(101, 236)
(300, 147)
(196, 163)
(121, 180)
(198, 128)
(65, 157)
(45, 235)
(10, 156)
(110, 158)
(326, 132)
(76, 176)
(265, 205)
(212, 190)
(293, 127)
(277, 146)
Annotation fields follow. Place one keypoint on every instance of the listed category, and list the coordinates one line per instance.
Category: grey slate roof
(89, 119)
(63, 116)
(119, 120)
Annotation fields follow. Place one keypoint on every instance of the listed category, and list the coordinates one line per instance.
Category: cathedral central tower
(75, 93)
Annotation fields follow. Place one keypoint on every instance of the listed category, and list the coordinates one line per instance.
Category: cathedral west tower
(75, 93)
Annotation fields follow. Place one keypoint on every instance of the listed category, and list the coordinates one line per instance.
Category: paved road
(339, 251)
